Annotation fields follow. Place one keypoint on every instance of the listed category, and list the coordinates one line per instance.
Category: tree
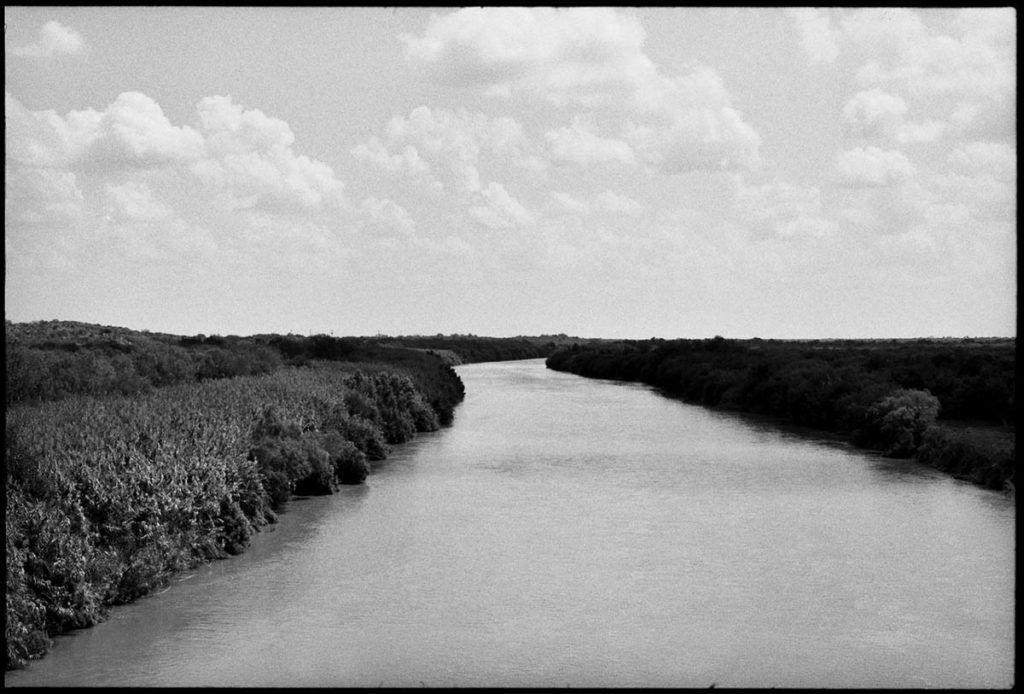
(901, 418)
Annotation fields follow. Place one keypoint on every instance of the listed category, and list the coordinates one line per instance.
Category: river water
(575, 532)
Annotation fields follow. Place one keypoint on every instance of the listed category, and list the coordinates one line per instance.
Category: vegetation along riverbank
(131, 455)
(949, 403)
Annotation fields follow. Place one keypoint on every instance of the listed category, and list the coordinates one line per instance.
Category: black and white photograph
(510, 346)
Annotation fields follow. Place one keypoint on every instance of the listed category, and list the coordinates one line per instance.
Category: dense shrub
(348, 463)
(897, 423)
(985, 458)
(363, 434)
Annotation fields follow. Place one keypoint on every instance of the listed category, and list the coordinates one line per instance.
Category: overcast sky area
(667, 172)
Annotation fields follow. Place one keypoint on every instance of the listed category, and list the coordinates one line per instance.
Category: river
(575, 532)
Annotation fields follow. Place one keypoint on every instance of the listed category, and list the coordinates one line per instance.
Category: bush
(898, 421)
(989, 461)
(349, 464)
(361, 432)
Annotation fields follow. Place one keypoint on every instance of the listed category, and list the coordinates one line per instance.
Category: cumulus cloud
(128, 168)
(133, 131)
(250, 157)
(54, 38)
(783, 209)
(927, 131)
(614, 202)
(569, 54)
(592, 58)
(500, 210)
(607, 201)
(386, 218)
(874, 112)
(686, 123)
(567, 204)
(924, 61)
(971, 62)
(817, 37)
(579, 144)
(374, 152)
(958, 71)
(41, 197)
(32, 138)
(446, 147)
(133, 201)
(982, 177)
(871, 166)
(996, 158)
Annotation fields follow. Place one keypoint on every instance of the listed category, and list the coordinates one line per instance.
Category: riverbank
(109, 496)
(884, 395)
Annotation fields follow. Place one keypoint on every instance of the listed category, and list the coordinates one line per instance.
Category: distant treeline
(892, 395)
(50, 360)
(177, 450)
(471, 349)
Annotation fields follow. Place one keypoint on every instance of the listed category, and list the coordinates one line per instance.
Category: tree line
(897, 396)
(50, 360)
(472, 349)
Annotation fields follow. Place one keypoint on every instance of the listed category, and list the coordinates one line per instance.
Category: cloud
(568, 204)
(971, 192)
(37, 196)
(568, 54)
(591, 58)
(817, 37)
(967, 69)
(924, 61)
(500, 210)
(927, 131)
(996, 158)
(374, 152)
(611, 201)
(54, 38)
(250, 157)
(134, 132)
(387, 218)
(133, 201)
(874, 112)
(578, 144)
(130, 171)
(871, 166)
(608, 201)
(959, 65)
(982, 177)
(446, 147)
(32, 138)
(686, 123)
(784, 210)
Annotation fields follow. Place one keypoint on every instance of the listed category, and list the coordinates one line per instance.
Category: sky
(600, 172)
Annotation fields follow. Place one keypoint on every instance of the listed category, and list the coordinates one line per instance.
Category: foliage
(986, 457)
(469, 349)
(53, 360)
(898, 421)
